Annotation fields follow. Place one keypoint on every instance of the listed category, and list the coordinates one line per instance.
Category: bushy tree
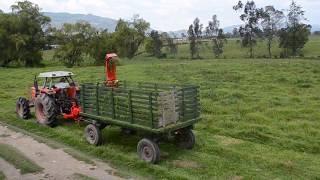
(154, 44)
(192, 40)
(250, 31)
(168, 41)
(74, 42)
(272, 22)
(194, 35)
(129, 36)
(216, 35)
(235, 32)
(21, 34)
(9, 43)
(101, 44)
(218, 43)
(294, 37)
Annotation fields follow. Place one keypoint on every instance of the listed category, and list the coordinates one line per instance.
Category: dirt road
(57, 164)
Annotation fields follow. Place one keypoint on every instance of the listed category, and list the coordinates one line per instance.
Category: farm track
(57, 164)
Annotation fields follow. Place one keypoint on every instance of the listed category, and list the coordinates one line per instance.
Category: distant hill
(58, 19)
(229, 29)
(178, 33)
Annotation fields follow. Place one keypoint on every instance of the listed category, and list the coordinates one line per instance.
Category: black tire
(185, 138)
(93, 135)
(22, 108)
(46, 110)
(148, 151)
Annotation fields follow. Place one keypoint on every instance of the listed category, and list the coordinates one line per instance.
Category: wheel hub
(91, 134)
(20, 110)
(147, 152)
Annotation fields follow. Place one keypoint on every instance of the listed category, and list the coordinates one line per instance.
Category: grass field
(233, 50)
(2, 176)
(260, 118)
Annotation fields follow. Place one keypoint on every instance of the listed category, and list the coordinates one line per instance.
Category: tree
(100, 44)
(235, 32)
(169, 41)
(194, 35)
(271, 23)
(251, 31)
(10, 40)
(218, 43)
(129, 36)
(296, 34)
(192, 39)
(74, 42)
(21, 34)
(154, 44)
(216, 35)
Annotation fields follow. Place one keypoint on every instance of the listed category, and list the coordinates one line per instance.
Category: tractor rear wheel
(46, 110)
(22, 108)
(185, 138)
(93, 135)
(148, 151)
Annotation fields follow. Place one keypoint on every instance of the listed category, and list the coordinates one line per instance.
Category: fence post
(113, 106)
(130, 106)
(150, 108)
(182, 104)
(82, 97)
(97, 99)
(156, 87)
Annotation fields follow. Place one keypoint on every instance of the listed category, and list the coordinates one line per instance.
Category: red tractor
(57, 95)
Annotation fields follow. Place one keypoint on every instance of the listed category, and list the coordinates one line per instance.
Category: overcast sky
(166, 15)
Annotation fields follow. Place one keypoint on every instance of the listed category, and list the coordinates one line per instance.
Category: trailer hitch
(74, 112)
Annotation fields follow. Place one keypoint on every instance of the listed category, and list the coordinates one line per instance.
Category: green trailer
(160, 111)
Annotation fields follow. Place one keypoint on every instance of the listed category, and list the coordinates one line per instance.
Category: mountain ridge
(59, 18)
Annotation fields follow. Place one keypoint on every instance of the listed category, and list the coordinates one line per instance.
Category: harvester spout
(111, 70)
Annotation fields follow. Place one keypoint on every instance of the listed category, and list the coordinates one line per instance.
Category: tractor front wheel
(93, 135)
(22, 108)
(46, 110)
(148, 151)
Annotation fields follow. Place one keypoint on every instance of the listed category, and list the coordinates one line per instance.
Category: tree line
(268, 23)
(25, 32)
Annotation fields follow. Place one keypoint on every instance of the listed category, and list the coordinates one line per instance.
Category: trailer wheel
(22, 108)
(93, 135)
(148, 151)
(185, 138)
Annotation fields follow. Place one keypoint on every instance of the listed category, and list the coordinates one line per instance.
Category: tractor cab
(53, 83)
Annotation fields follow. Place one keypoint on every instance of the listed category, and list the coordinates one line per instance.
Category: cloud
(164, 14)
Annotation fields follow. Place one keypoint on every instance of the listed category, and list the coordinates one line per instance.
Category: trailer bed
(155, 108)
